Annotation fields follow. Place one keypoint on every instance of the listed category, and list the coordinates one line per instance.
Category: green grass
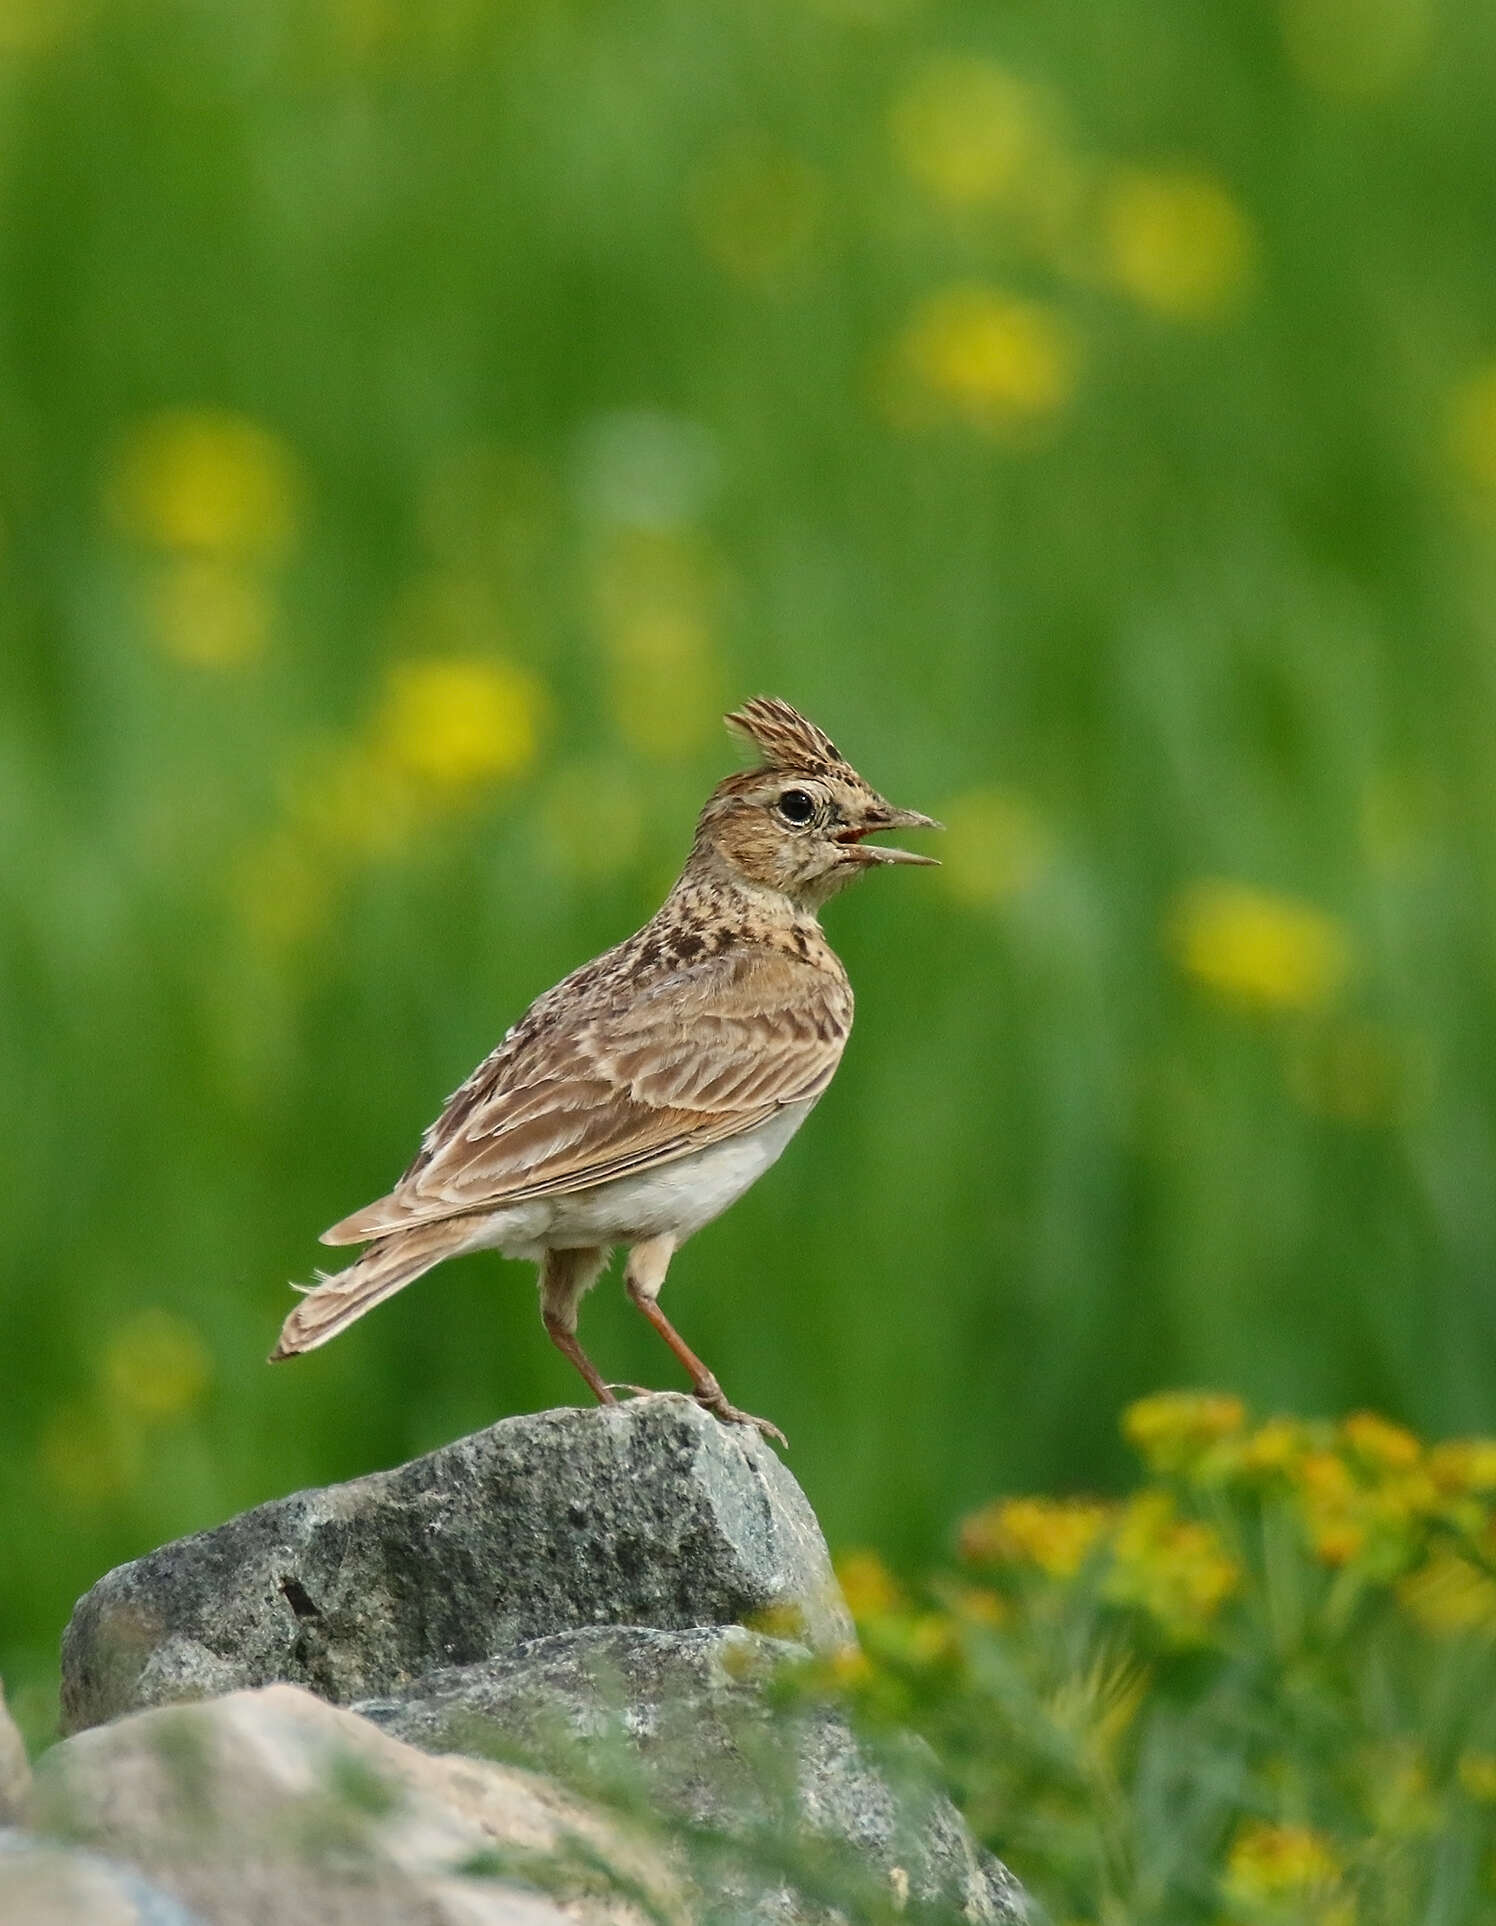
(614, 347)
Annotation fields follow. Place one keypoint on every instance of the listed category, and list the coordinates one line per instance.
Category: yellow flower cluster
(1258, 950)
(867, 1585)
(214, 501)
(443, 729)
(1056, 1535)
(1288, 1874)
(1366, 1494)
(982, 358)
(1287, 1590)
(971, 133)
(1176, 242)
(1176, 1431)
(1364, 1497)
(1175, 1569)
(990, 152)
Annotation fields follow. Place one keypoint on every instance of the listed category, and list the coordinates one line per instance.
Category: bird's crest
(783, 737)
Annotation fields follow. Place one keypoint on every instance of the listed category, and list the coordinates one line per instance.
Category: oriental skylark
(644, 1094)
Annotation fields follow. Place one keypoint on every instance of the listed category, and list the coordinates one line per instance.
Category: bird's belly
(675, 1198)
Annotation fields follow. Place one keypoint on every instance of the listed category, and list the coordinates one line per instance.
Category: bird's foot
(710, 1398)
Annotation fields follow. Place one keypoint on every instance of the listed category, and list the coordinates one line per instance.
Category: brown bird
(643, 1094)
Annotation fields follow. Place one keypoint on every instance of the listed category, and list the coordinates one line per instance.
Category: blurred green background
(418, 423)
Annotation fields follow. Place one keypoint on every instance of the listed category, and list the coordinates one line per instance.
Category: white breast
(675, 1198)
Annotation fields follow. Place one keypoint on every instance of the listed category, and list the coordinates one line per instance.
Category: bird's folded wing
(633, 1081)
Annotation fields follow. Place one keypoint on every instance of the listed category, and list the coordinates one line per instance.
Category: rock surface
(682, 1717)
(272, 1805)
(15, 1771)
(44, 1883)
(647, 1513)
(583, 1600)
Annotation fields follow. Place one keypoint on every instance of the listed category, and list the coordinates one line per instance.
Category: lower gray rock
(271, 1806)
(682, 1719)
(45, 1883)
(649, 1512)
(15, 1771)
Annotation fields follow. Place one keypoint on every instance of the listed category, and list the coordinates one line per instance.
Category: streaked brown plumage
(638, 1098)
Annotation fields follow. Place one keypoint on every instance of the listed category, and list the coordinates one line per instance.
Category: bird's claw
(712, 1400)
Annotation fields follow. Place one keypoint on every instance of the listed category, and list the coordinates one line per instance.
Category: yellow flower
(1477, 1774)
(1278, 1863)
(1174, 1430)
(1356, 49)
(994, 848)
(1277, 1446)
(156, 1365)
(454, 722)
(867, 1584)
(1472, 432)
(1464, 1465)
(208, 613)
(1177, 1570)
(967, 130)
(933, 1639)
(1261, 951)
(1333, 1508)
(977, 1605)
(1338, 1539)
(1055, 1534)
(207, 482)
(756, 207)
(1449, 1594)
(1173, 1568)
(988, 359)
(1176, 242)
(1383, 1446)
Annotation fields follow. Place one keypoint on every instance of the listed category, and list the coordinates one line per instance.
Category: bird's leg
(647, 1265)
(565, 1279)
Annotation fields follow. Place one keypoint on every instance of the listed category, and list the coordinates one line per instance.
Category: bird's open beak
(877, 821)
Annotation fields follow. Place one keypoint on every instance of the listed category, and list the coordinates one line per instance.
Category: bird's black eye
(796, 806)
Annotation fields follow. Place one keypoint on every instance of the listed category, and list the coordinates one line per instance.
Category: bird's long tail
(335, 1301)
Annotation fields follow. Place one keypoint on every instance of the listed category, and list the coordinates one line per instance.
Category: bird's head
(797, 823)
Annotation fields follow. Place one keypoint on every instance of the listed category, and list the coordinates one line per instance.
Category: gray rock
(273, 1806)
(681, 1720)
(46, 1883)
(15, 1771)
(646, 1513)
